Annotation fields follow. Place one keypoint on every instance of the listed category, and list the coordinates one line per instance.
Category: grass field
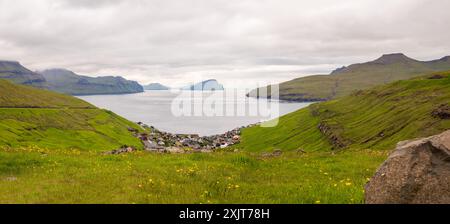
(32, 175)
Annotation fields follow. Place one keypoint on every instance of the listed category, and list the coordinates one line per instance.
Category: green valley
(224, 111)
(328, 150)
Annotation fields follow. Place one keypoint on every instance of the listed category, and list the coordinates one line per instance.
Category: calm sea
(188, 112)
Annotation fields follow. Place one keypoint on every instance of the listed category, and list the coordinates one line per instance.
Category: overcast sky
(238, 42)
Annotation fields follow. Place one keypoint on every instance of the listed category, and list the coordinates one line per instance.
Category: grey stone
(417, 172)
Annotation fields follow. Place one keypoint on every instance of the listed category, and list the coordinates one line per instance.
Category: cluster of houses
(159, 141)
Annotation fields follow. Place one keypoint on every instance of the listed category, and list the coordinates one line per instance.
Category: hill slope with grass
(35, 117)
(345, 80)
(65, 81)
(376, 118)
(15, 72)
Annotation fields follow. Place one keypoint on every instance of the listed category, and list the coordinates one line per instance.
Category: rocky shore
(155, 140)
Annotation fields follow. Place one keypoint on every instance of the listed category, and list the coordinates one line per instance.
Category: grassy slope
(294, 131)
(24, 96)
(377, 118)
(33, 117)
(384, 70)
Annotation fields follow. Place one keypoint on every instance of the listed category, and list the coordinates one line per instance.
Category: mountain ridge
(17, 73)
(345, 80)
(66, 81)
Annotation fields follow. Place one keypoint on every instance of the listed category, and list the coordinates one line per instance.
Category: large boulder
(417, 172)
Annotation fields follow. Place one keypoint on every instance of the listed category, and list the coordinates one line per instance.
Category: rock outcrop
(442, 112)
(333, 137)
(417, 172)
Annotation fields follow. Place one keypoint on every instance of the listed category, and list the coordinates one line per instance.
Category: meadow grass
(36, 175)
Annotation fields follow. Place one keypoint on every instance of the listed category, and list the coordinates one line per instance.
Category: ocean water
(194, 112)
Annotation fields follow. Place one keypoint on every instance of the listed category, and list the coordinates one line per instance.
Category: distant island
(208, 85)
(65, 81)
(156, 86)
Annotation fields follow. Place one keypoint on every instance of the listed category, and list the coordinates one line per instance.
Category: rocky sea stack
(208, 85)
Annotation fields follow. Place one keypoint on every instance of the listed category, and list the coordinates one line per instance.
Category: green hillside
(344, 81)
(377, 118)
(34, 117)
(25, 96)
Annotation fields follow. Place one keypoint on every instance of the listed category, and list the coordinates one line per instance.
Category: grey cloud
(90, 4)
(255, 40)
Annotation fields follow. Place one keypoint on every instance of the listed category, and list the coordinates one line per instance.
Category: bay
(164, 110)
